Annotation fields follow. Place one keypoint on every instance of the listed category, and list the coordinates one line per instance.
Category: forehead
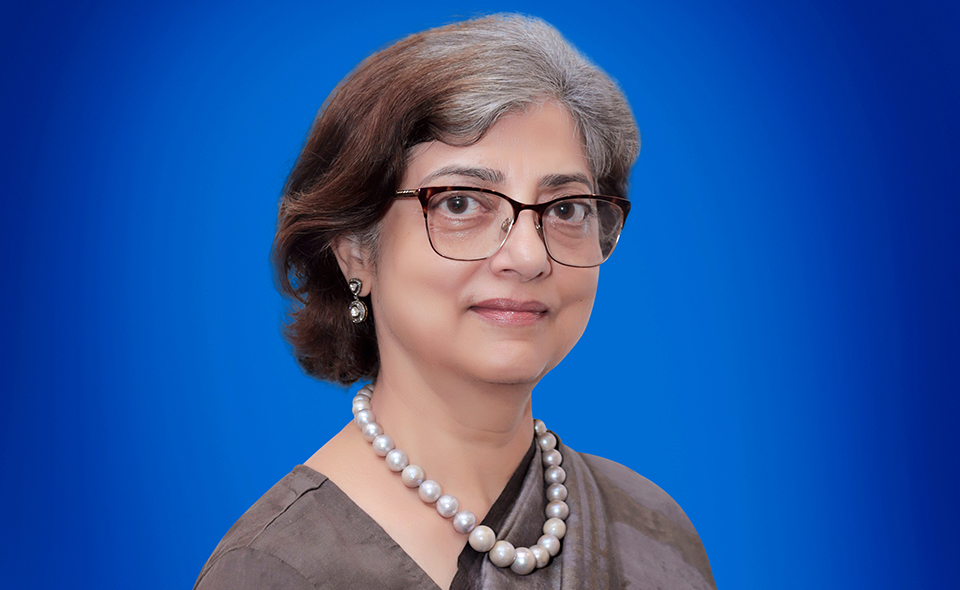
(521, 147)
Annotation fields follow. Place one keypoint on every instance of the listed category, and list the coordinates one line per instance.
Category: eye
(573, 211)
(457, 204)
(462, 203)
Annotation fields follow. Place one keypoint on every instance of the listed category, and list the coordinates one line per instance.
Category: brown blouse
(623, 532)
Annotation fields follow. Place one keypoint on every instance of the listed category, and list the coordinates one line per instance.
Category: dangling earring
(357, 309)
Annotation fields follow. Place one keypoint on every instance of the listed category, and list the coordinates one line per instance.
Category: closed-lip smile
(510, 311)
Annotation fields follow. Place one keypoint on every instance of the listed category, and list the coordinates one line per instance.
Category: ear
(355, 262)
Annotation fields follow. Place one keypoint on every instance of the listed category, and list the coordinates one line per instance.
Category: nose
(524, 252)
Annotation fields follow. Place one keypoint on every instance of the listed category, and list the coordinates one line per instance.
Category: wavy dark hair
(449, 84)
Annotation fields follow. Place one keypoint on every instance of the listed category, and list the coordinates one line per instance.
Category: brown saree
(623, 532)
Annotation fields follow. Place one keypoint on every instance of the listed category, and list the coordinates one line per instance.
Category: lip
(511, 312)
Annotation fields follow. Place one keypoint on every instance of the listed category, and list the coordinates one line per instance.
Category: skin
(455, 353)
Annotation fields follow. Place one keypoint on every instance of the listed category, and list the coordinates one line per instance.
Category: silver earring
(357, 309)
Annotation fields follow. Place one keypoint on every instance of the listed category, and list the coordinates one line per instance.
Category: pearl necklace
(483, 539)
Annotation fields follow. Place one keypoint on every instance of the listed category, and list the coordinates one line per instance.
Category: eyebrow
(495, 176)
(555, 180)
(484, 174)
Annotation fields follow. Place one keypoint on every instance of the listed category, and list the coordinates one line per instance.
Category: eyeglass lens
(468, 225)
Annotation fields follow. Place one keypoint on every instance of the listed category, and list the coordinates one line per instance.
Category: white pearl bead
(397, 460)
(412, 476)
(542, 556)
(360, 403)
(555, 527)
(364, 417)
(555, 475)
(447, 505)
(558, 509)
(482, 538)
(552, 458)
(539, 427)
(370, 431)
(521, 560)
(502, 554)
(382, 445)
(550, 543)
(429, 491)
(547, 441)
(464, 521)
(556, 491)
(524, 561)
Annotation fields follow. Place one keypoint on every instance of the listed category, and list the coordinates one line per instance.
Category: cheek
(580, 287)
(578, 297)
(416, 291)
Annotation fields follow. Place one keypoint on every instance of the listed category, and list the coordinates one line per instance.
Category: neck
(468, 436)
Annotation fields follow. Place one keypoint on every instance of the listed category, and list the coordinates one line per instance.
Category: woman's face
(511, 317)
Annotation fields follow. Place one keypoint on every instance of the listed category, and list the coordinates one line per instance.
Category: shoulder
(625, 484)
(646, 521)
(241, 568)
(260, 549)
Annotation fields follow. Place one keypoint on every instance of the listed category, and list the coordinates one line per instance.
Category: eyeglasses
(466, 223)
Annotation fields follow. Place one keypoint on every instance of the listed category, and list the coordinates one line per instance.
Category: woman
(441, 234)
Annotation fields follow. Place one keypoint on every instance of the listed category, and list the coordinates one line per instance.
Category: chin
(514, 367)
(517, 377)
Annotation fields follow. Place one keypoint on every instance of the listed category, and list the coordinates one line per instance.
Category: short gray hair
(508, 62)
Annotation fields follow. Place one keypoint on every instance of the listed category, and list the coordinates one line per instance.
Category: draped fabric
(623, 532)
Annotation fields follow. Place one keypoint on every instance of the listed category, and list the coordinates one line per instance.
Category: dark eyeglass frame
(423, 194)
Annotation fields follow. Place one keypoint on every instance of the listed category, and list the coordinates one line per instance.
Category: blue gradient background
(775, 343)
